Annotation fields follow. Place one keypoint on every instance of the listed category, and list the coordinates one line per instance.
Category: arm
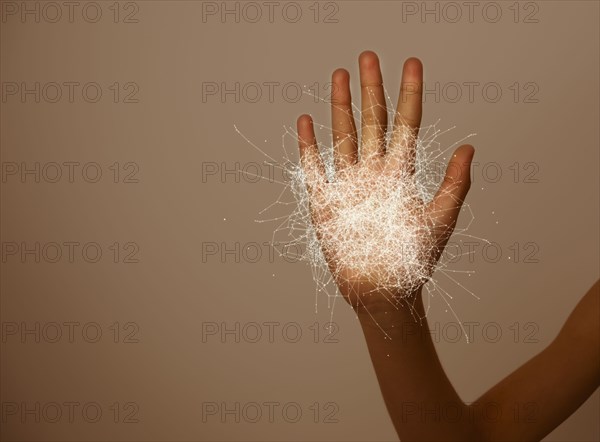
(411, 378)
(533, 400)
(553, 384)
(361, 222)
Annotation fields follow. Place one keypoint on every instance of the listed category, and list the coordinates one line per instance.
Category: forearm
(526, 405)
(548, 388)
(419, 397)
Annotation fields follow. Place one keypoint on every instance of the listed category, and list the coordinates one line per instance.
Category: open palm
(380, 238)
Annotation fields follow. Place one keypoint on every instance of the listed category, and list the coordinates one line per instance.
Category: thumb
(449, 198)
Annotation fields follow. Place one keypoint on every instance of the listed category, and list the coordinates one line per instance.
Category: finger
(407, 119)
(374, 112)
(345, 144)
(310, 159)
(314, 171)
(449, 198)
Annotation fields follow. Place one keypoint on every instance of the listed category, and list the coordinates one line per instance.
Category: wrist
(384, 310)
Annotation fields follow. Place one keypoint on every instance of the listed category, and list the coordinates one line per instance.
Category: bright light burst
(370, 224)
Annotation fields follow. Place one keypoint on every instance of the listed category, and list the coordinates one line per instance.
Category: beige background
(171, 134)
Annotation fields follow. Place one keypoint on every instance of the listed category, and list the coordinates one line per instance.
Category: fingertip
(465, 152)
(306, 134)
(340, 75)
(304, 122)
(469, 147)
(459, 167)
(368, 59)
(413, 64)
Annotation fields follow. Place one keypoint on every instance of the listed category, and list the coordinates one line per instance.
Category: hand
(380, 238)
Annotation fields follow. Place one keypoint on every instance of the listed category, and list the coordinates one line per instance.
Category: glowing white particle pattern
(372, 227)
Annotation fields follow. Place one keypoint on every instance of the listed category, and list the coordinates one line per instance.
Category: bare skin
(531, 401)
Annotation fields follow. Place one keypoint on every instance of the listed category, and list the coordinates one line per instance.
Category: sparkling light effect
(372, 226)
